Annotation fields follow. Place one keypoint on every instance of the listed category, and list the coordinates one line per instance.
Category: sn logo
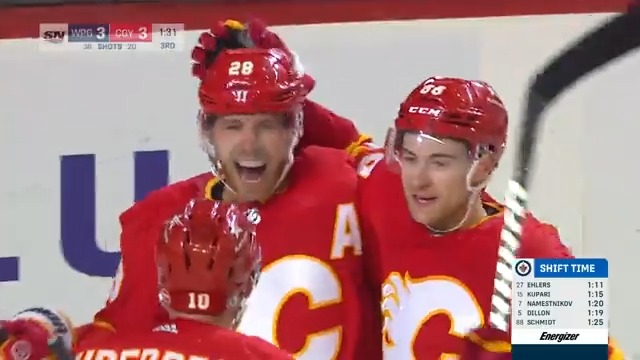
(54, 36)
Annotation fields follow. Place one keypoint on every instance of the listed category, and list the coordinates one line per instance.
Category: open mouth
(251, 171)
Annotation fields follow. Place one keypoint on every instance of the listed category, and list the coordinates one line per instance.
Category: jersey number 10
(200, 301)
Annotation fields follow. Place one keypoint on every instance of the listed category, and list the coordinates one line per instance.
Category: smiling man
(253, 151)
(435, 252)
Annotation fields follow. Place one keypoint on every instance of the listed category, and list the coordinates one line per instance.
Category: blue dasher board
(560, 309)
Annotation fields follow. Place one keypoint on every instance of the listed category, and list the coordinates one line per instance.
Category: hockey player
(208, 262)
(312, 300)
(435, 254)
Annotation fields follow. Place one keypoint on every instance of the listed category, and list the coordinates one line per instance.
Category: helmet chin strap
(473, 193)
(216, 170)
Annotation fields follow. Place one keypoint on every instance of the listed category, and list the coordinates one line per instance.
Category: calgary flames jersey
(434, 289)
(312, 299)
(179, 340)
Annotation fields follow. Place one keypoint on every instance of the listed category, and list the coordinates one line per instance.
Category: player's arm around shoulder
(323, 127)
(134, 284)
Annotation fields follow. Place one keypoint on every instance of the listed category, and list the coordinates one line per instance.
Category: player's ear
(488, 162)
(485, 163)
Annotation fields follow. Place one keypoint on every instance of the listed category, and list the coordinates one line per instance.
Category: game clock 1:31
(168, 32)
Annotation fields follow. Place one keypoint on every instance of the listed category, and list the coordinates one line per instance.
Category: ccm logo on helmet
(424, 111)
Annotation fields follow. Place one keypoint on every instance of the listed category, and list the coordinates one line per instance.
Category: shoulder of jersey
(533, 225)
(365, 149)
(260, 349)
(539, 239)
(176, 194)
(369, 159)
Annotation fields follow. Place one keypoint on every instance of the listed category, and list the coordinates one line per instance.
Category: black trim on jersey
(491, 210)
(217, 190)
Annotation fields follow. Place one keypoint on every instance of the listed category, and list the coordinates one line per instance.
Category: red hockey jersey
(312, 299)
(434, 289)
(179, 340)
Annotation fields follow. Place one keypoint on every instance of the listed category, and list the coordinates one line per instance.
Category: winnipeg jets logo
(523, 268)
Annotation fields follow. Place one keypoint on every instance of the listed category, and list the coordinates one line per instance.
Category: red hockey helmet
(452, 108)
(249, 81)
(253, 81)
(208, 258)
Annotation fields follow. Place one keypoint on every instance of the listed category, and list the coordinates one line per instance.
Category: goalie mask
(208, 259)
(448, 137)
(251, 118)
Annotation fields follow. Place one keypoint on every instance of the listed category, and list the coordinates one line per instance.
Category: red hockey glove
(267, 39)
(30, 333)
(232, 34)
(487, 343)
(263, 37)
(229, 34)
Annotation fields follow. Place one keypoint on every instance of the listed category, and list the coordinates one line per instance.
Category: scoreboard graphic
(560, 309)
(111, 37)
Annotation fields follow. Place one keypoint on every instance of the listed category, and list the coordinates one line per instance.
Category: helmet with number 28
(251, 118)
(448, 138)
(208, 260)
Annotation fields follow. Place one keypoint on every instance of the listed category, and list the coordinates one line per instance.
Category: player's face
(254, 150)
(434, 177)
